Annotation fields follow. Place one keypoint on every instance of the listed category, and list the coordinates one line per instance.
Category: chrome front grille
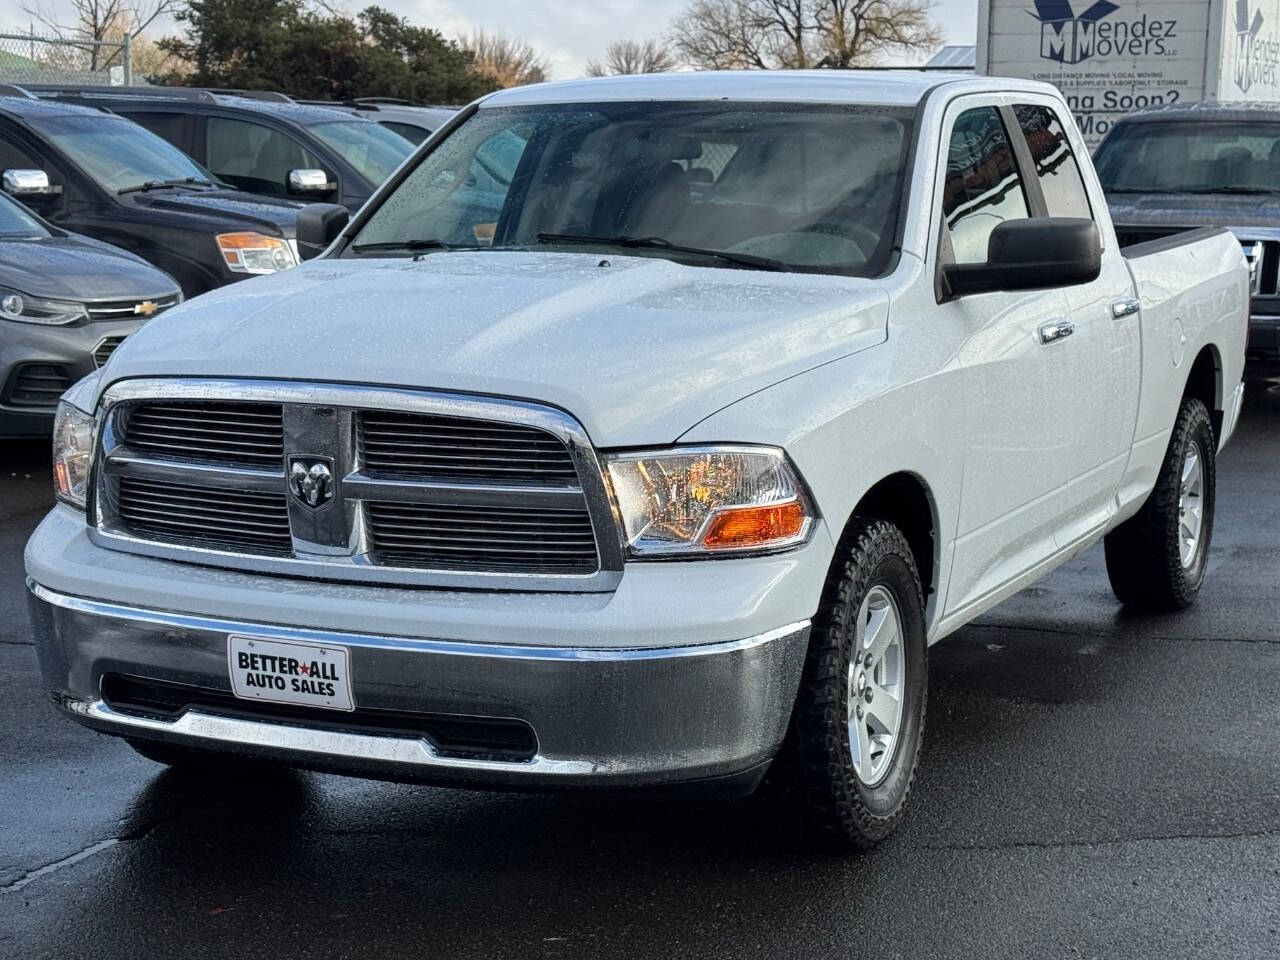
(416, 445)
(414, 535)
(127, 309)
(350, 483)
(1263, 258)
(245, 434)
(204, 515)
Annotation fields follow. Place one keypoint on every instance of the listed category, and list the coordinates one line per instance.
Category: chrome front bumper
(603, 717)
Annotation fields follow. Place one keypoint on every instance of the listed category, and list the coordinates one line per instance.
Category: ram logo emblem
(311, 480)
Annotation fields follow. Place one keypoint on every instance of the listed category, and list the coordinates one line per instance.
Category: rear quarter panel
(1195, 296)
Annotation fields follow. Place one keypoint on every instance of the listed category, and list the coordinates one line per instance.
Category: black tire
(1144, 558)
(816, 766)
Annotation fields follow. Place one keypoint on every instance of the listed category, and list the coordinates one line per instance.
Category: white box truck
(1110, 58)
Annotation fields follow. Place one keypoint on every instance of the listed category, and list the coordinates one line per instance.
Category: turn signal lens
(701, 500)
(255, 253)
(739, 527)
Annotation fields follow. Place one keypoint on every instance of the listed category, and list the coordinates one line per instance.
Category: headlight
(25, 309)
(708, 500)
(255, 253)
(72, 452)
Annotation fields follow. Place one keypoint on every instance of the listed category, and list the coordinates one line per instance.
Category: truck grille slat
(427, 536)
(430, 446)
(160, 498)
(214, 432)
(243, 520)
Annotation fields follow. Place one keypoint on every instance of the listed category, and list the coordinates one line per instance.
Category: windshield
(809, 187)
(1191, 156)
(16, 222)
(373, 150)
(118, 153)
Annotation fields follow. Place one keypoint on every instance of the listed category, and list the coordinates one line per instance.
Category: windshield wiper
(410, 245)
(161, 184)
(658, 243)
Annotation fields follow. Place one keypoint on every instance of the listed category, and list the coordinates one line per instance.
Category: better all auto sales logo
(1256, 58)
(1067, 37)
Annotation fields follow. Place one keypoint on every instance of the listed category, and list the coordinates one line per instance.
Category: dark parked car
(91, 172)
(413, 123)
(66, 303)
(264, 143)
(1175, 168)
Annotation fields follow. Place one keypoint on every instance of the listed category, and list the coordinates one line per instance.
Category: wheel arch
(1204, 383)
(905, 499)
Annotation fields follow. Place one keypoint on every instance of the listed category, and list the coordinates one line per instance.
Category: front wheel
(854, 742)
(1156, 559)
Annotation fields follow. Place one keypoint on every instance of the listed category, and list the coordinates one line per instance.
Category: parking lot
(1094, 785)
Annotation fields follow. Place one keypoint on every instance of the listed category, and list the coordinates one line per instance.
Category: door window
(982, 188)
(14, 157)
(1056, 167)
(254, 157)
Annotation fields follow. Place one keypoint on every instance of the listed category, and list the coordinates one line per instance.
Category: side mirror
(310, 181)
(28, 183)
(1031, 254)
(318, 226)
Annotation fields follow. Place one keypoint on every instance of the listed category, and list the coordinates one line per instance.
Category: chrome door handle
(1056, 330)
(1125, 308)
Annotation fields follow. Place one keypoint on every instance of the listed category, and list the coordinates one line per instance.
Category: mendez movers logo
(1068, 38)
(1256, 60)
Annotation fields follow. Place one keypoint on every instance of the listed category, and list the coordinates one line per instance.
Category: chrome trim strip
(187, 621)
(360, 568)
(477, 495)
(123, 462)
(327, 743)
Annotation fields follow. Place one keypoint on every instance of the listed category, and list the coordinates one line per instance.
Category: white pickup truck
(641, 431)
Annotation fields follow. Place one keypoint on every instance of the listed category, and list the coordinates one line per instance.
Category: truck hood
(78, 268)
(637, 349)
(240, 210)
(1194, 210)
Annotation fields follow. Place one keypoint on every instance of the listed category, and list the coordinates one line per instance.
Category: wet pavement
(1094, 785)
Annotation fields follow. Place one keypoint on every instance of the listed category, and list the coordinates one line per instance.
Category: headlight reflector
(708, 500)
(255, 253)
(72, 454)
(24, 309)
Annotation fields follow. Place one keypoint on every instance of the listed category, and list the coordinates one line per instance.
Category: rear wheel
(854, 743)
(1156, 560)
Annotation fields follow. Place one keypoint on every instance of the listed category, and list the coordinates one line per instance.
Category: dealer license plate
(285, 671)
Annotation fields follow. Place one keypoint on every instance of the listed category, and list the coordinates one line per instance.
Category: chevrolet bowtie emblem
(146, 308)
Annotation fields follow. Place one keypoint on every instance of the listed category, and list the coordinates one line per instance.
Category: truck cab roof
(887, 87)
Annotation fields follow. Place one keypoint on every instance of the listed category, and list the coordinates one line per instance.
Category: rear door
(1103, 353)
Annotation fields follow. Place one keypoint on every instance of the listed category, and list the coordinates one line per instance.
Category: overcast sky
(569, 31)
(573, 31)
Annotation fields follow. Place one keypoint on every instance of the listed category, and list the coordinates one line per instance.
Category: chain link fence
(29, 58)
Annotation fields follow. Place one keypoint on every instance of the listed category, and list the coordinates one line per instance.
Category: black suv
(262, 142)
(91, 172)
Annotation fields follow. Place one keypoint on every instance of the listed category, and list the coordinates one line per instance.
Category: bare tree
(101, 21)
(632, 56)
(511, 62)
(857, 32)
(795, 34)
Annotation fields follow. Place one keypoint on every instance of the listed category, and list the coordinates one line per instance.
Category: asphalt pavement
(1094, 784)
